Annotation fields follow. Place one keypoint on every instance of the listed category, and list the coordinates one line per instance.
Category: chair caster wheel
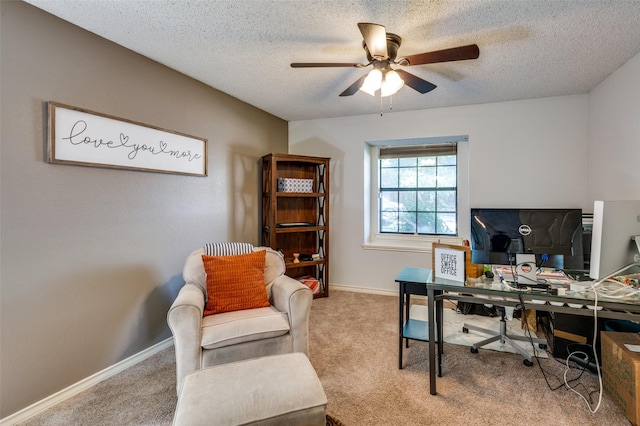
(465, 330)
(474, 350)
(527, 362)
(542, 346)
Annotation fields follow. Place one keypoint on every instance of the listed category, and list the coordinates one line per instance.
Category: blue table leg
(401, 316)
(432, 340)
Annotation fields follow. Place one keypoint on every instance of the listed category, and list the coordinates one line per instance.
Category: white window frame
(375, 240)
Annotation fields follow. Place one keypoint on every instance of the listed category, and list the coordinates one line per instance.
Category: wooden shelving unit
(298, 222)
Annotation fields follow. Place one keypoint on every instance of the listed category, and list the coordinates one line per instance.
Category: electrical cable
(523, 311)
(595, 287)
(595, 354)
(599, 288)
(593, 347)
(607, 288)
(613, 289)
(545, 374)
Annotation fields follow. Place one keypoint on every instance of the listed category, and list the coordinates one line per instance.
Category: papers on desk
(549, 275)
(554, 276)
(632, 280)
(632, 348)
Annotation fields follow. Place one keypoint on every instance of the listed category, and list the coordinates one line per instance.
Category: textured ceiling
(528, 49)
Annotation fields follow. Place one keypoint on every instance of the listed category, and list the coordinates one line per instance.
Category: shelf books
(311, 282)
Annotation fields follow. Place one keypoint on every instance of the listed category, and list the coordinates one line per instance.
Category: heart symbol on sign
(124, 139)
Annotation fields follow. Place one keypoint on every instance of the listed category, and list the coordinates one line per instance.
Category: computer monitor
(554, 236)
(612, 248)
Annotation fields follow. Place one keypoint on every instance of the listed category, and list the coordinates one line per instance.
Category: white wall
(614, 135)
(530, 153)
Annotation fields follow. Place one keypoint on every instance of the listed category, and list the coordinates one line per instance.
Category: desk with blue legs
(418, 281)
(414, 281)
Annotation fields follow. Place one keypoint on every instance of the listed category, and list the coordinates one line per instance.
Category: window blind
(431, 150)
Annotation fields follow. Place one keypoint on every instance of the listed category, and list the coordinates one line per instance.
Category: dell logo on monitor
(524, 230)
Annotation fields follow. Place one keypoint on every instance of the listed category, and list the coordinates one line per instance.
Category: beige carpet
(355, 352)
(354, 348)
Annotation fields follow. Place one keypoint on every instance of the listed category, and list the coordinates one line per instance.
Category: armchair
(202, 342)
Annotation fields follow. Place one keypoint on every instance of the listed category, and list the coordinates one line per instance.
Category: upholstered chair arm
(185, 319)
(294, 298)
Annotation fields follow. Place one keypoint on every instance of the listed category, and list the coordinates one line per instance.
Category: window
(416, 193)
(418, 189)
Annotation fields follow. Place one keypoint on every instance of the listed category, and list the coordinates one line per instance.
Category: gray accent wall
(91, 258)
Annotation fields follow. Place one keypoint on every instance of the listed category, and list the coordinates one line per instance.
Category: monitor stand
(526, 269)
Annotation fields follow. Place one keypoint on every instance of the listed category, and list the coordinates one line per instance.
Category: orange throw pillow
(235, 282)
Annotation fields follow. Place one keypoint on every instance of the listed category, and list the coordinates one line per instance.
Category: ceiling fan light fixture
(373, 82)
(381, 49)
(391, 84)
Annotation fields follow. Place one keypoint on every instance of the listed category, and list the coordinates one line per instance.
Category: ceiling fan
(381, 48)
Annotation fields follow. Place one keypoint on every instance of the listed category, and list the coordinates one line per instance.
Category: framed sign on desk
(470, 269)
(449, 261)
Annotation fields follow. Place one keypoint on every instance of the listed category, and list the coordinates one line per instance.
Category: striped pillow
(227, 249)
(235, 283)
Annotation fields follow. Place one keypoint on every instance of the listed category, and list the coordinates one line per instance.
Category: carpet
(452, 331)
(353, 346)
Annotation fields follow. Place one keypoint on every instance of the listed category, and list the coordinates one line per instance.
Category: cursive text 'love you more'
(77, 137)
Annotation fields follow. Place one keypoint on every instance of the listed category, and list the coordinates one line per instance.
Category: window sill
(408, 243)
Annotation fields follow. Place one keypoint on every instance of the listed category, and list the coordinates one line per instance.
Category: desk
(413, 281)
(419, 281)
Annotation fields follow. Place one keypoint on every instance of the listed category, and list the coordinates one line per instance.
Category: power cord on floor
(595, 354)
(565, 382)
(610, 289)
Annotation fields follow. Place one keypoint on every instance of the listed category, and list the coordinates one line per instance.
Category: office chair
(503, 337)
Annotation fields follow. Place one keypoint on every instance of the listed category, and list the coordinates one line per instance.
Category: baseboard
(367, 290)
(354, 289)
(84, 384)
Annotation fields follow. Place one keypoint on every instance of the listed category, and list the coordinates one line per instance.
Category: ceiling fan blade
(354, 87)
(326, 64)
(375, 37)
(416, 83)
(461, 53)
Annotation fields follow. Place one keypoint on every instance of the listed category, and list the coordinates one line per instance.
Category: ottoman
(272, 390)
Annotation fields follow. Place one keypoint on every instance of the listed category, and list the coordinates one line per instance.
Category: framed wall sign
(82, 137)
